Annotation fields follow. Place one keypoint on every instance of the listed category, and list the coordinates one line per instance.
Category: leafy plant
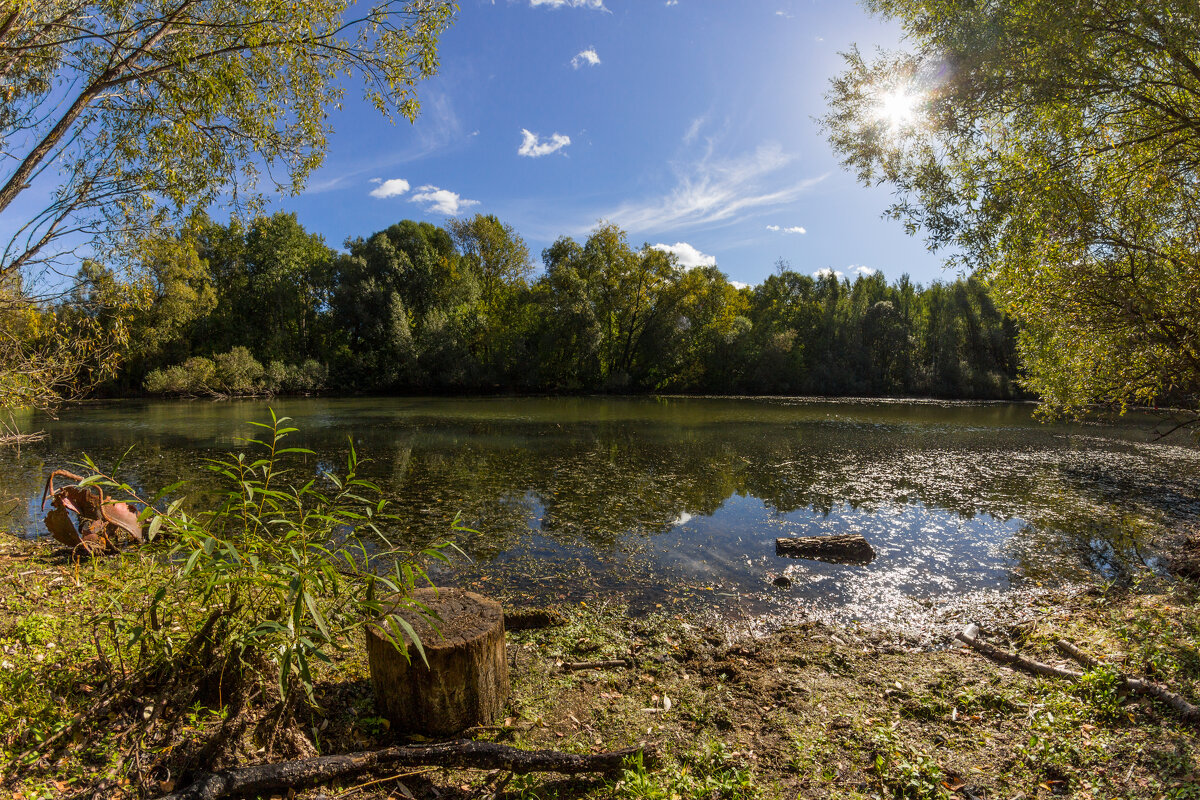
(905, 773)
(282, 568)
(1101, 689)
(709, 774)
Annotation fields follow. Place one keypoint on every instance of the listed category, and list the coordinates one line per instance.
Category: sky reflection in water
(677, 502)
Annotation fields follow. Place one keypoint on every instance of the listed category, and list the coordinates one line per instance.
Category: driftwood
(842, 549)
(1136, 686)
(525, 619)
(619, 663)
(461, 754)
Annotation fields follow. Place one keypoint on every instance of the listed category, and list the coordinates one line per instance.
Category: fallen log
(841, 549)
(461, 754)
(1138, 686)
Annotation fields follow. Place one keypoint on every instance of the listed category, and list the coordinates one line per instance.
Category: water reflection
(665, 501)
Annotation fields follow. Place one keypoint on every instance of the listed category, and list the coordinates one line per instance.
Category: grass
(805, 712)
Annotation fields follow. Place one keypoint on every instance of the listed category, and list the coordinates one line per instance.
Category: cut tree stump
(466, 680)
(842, 549)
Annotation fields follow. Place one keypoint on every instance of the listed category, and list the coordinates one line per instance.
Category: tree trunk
(844, 549)
(463, 679)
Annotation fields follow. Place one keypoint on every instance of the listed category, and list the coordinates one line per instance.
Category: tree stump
(466, 680)
(842, 549)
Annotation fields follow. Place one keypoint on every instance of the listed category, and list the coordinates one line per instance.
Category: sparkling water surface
(675, 503)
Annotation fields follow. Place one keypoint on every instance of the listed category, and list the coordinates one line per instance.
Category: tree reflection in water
(657, 500)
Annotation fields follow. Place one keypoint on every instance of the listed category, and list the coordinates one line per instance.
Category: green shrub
(278, 564)
(275, 377)
(238, 372)
(1101, 688)
(307, 377)
(194, 376)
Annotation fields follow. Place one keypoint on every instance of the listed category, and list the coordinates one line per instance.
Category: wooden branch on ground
(1138, 686)
(619, 663)
(1075, 654)
(970, 636)
(461, 754)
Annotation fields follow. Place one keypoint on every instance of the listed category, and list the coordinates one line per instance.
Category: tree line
(265, 307)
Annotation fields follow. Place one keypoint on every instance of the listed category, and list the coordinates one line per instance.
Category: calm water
(677, 502)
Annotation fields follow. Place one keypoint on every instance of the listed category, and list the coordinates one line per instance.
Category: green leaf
(397, 620)
(317, 616)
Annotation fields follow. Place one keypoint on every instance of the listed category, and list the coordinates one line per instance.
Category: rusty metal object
(98, 522)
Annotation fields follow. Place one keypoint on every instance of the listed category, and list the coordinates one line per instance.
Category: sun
(897, 108)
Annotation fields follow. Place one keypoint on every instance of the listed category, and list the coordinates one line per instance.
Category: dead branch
(1075, 654)
(461, 754)
(1138, 686)
(970, 636)
(619, 663)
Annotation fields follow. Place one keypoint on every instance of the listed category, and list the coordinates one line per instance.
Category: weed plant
(215, 632)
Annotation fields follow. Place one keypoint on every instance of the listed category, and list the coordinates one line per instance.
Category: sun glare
(898, 108)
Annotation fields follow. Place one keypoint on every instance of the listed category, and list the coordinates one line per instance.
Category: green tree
(1053, 147)
(499, 259)
(121, 111)
(495, 253)
(273, 278)
(709, 350)
(604, 302)
(403, 307)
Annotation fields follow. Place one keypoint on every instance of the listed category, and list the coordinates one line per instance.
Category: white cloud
(589, 57)
(441, 201)
(861, 270)
(792, 229)
(597, 5)
(389, 188)
(688, 256)
(739, 285)
(672, 2)
(827, 272)
(711, 191)
(533, 146)
(693, 130)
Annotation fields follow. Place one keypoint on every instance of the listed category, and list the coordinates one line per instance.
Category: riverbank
(811, 710)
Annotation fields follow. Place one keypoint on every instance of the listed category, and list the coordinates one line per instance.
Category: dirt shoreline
(808, 711)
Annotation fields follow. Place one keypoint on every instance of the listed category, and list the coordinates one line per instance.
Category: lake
(675, 503)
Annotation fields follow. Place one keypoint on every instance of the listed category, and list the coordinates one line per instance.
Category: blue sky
(687, 122)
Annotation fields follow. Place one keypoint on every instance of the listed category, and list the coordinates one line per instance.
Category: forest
(266, 307)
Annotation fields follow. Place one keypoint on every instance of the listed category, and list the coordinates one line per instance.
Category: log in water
(844, 549)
